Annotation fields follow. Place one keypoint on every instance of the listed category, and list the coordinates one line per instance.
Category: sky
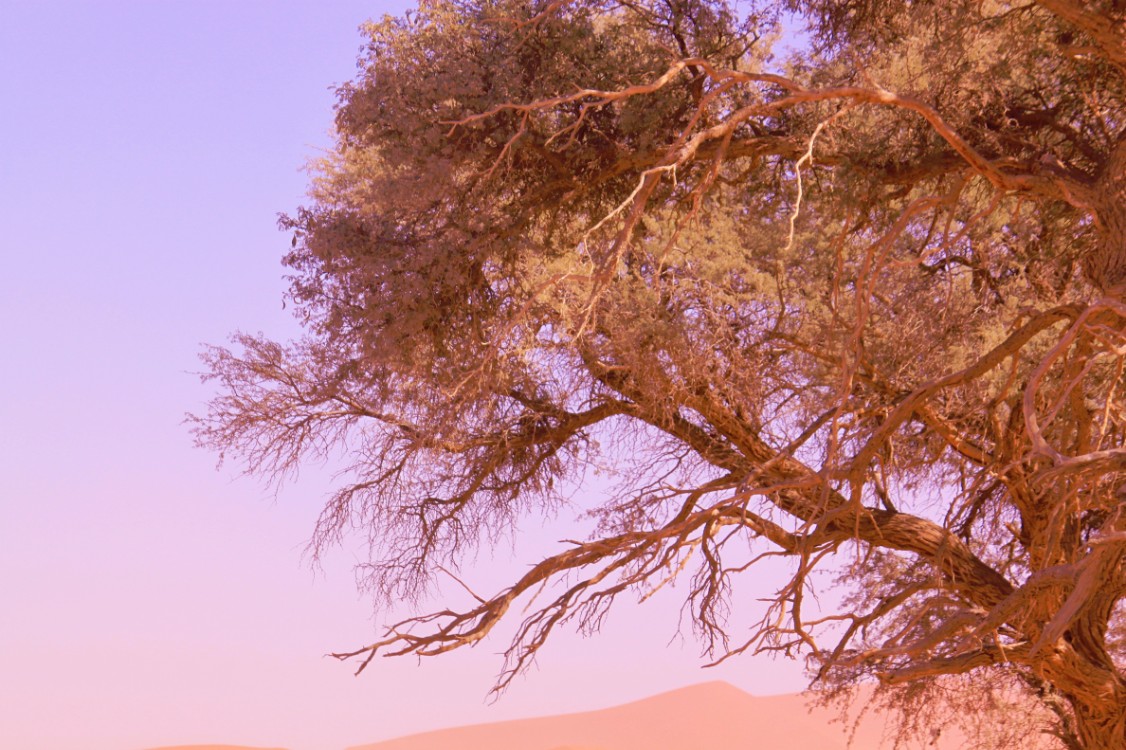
(146, 597)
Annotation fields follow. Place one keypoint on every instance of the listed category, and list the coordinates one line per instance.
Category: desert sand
(212, 747)
(709, 716)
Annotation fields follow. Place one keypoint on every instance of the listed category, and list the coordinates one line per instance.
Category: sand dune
(711, 716)
(214, 747)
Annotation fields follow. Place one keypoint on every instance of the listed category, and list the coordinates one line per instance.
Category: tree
(859, 304)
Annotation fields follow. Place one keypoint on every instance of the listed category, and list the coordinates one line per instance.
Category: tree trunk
(1106, 266)
(1102, 727)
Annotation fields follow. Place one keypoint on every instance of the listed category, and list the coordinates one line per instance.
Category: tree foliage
(854, 299)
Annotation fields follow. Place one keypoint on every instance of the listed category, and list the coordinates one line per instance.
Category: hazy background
(146, 599)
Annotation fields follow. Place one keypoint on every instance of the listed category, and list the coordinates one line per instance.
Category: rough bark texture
(1106, 266)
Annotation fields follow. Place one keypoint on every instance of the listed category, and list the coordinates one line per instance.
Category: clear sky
(147, 599)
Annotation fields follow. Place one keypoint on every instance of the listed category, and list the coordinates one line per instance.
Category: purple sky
(145, 598)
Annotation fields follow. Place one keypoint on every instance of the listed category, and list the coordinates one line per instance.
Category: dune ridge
(712, 715)
(706, 716)
(214, 747)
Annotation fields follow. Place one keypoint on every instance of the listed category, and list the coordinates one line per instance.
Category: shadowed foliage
(853, 298)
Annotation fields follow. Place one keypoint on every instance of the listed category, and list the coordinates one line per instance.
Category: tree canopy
(853, 295)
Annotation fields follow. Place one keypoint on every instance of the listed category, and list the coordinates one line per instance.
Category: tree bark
(1102, 728)
(1106, 267)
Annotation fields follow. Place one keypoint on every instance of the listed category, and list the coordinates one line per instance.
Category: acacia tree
(859, 304)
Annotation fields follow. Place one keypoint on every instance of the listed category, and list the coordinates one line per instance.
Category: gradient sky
(147, 599)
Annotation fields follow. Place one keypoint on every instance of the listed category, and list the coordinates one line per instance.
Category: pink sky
(145, 150)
